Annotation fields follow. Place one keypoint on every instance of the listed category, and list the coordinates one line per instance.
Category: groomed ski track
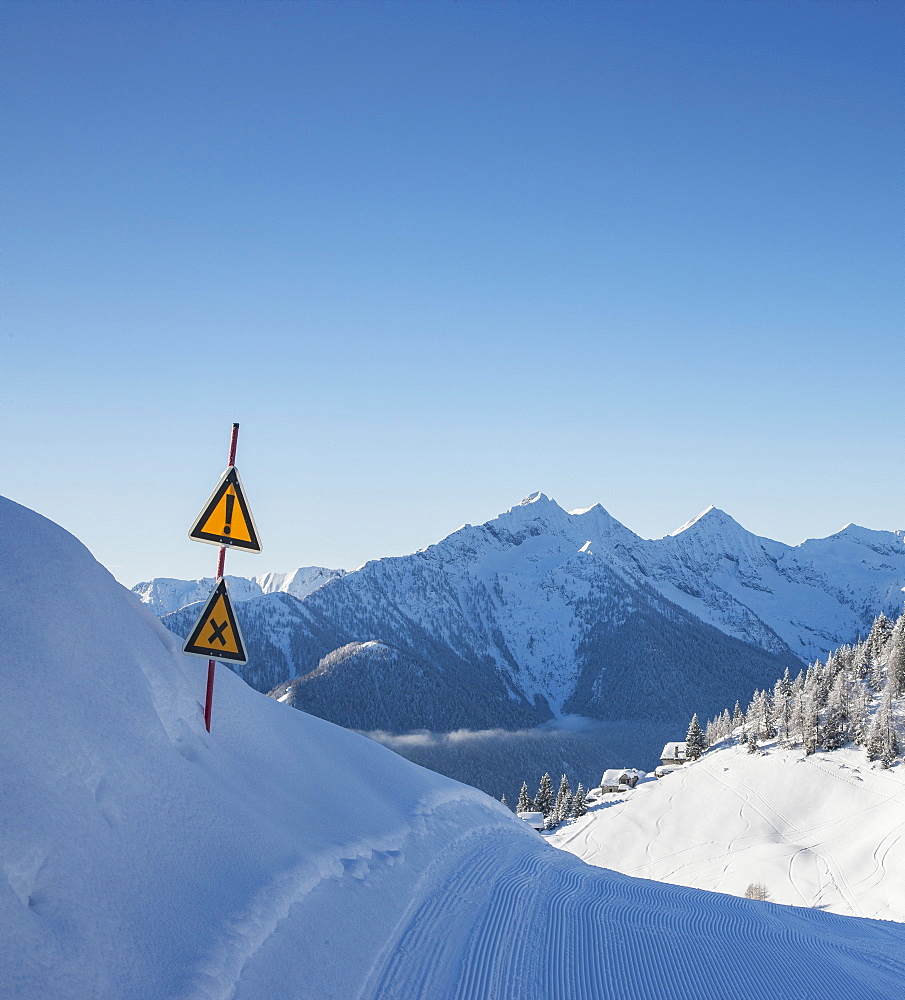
(509, 919)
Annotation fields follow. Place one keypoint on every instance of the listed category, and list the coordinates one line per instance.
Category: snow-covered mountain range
(164, 595)
(281, 856)
(540, 612)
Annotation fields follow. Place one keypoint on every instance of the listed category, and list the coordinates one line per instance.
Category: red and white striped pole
(221, 563)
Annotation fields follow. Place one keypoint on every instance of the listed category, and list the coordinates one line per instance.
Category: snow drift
(281, 856)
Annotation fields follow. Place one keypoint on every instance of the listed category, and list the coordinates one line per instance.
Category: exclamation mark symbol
(230, 500)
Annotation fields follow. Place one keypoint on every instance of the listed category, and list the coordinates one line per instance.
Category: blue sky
(436, 256)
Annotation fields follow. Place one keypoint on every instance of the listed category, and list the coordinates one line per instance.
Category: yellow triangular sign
(226, 518)
(216, 634)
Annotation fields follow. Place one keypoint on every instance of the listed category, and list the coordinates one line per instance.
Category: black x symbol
(217, 632)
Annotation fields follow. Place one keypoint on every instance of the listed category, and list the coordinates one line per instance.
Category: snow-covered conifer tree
(566, 808)
(782, 707)
(504, 800)
(889, 741)
(859, 723)
(738, 718)
(797, 722)
(836, 715)
(695, 743)
(544, 801)
(563, 798)
(578, 804)
(524, 800)
(879, 635)
(874, 741)
(895, 663)
(725, 724)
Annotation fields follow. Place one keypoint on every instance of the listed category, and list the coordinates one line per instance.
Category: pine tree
(543, 801)
(565, 810)
(738, 718)
(579, 808)
(782, 707)
(860, 722)
(695, 743)
(796, 722)
(551, 821)
(895, 664)
(861, 662)
(889, 741)
(836, 715)
(880, 633)
(504, 800)
(875, 741)
(563, 798)
(524, 800)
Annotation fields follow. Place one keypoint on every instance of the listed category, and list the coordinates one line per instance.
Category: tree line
(854, 697)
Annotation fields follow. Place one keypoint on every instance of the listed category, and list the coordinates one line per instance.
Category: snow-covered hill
(825, 830)
(164, 595)
(280, 856)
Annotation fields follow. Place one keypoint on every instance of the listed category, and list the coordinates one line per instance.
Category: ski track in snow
(552, 928)
(819, 850)
(831, 847)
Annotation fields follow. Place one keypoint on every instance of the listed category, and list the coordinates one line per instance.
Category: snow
(822, 831)
(674, 751)
(164, 595)
(142, 858)
(693, 521)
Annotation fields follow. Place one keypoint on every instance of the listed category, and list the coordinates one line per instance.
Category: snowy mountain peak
(710, 516)
(536, 507)
(586, 510)
(870, 536)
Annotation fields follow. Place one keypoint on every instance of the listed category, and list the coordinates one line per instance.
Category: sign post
(225, 521)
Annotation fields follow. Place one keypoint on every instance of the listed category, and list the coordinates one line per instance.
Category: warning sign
(216, 634)
(226, 518)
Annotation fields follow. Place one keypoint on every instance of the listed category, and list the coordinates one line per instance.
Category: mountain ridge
(540, 613)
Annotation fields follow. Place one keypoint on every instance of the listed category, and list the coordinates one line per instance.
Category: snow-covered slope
(813, 597)
(281, 856)
(826, 830)
(164, 595)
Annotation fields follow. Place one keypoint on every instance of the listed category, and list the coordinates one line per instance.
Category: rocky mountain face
(541, 612)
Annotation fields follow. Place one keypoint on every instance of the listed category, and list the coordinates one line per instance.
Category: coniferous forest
(855, 697)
